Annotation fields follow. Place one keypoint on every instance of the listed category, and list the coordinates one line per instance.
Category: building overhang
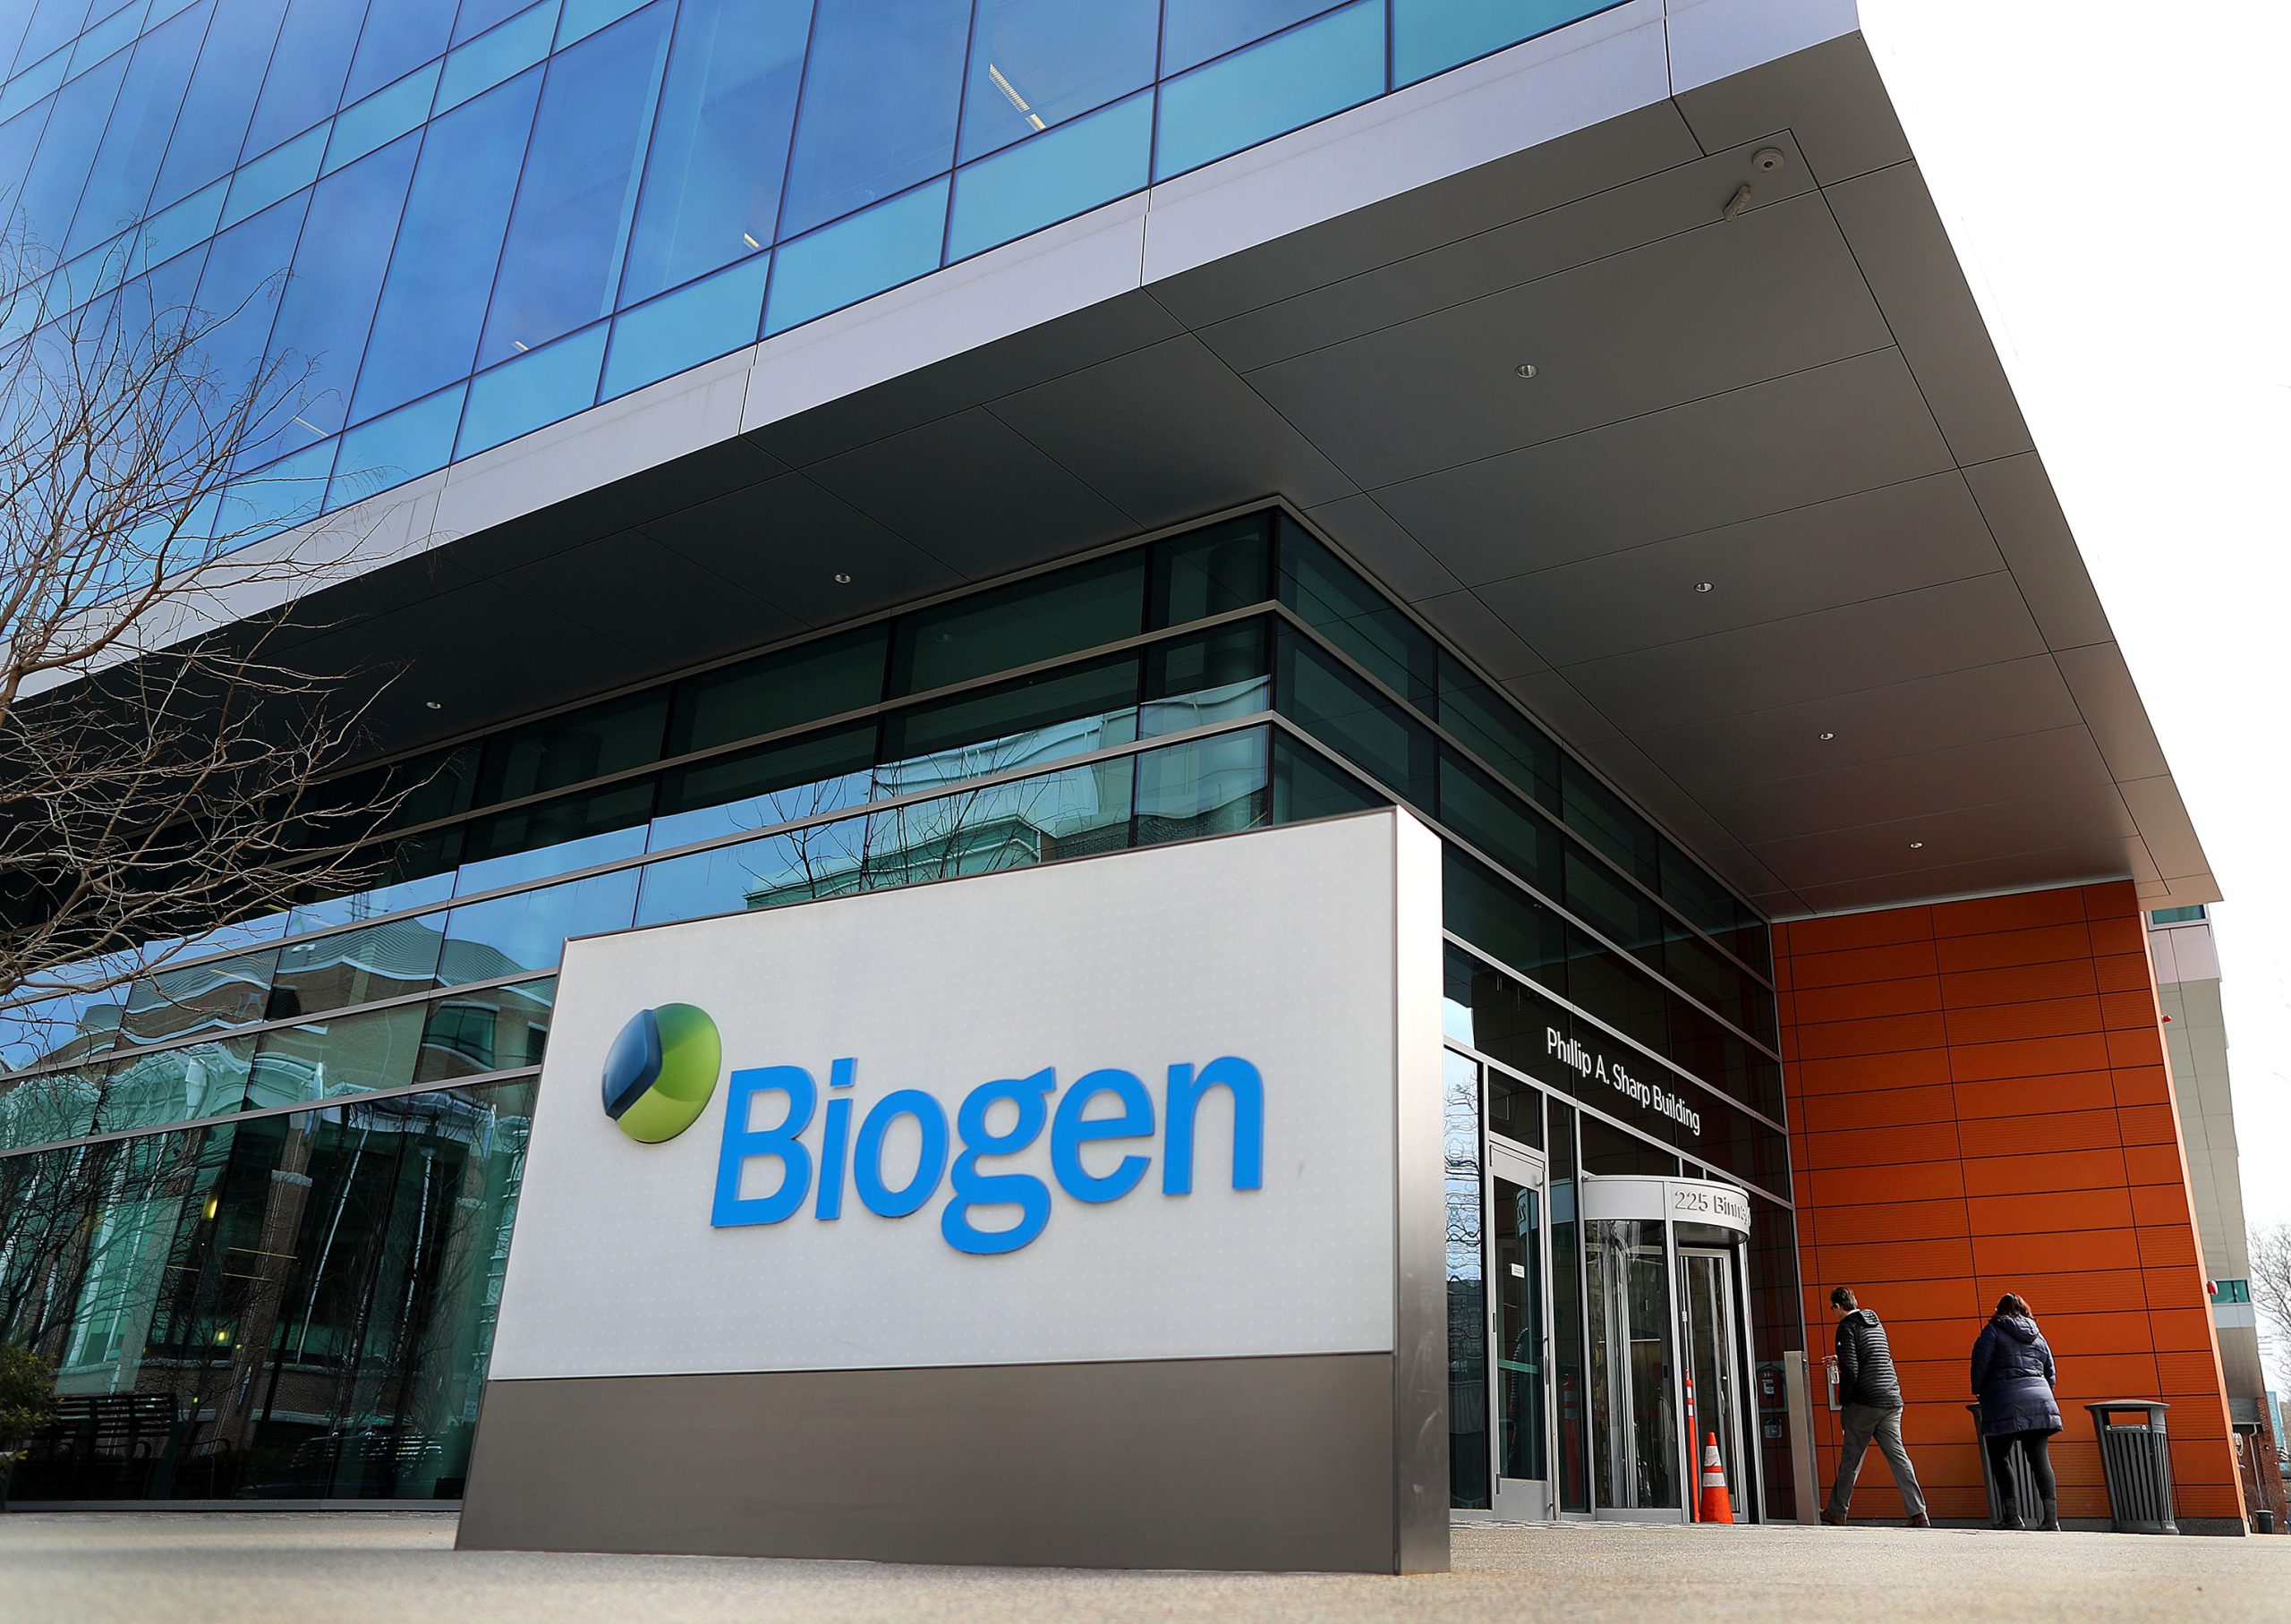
(1899, 684)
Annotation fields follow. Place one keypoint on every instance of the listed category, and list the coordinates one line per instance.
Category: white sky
(2114, 178)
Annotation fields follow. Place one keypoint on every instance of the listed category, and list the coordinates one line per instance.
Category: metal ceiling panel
(1868, 545)
(2016, 499)
(974, 492)
(2007, 700)
(1810, 436)
(1898, 639)
(1696, 314)
(1168, 432)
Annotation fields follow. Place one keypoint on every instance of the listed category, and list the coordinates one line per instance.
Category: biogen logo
(818, 1169)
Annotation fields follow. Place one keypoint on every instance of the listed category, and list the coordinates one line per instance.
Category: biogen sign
(1157, 1134)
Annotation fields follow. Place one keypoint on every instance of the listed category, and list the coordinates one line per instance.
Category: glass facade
(1222, 678)
(448, 223)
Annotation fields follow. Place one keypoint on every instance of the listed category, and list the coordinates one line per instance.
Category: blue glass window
(583, 18)
(399, 35)
(720, 146)
(711, 317)
(881, 96)
(562, 261)
(433, 304)
(19, 138)
(278, 497)
(102, 39)
(393, 449)
(330, 301)
(532, 391)
(485, 61)
(527, 931)
(887, 244)
(1271, 89)
(215, 113)
(1038, 181)
(381, 118)
(476, 16)
(304, 83)
(128, 162)
(1038, 63)
(55, 22)
(239, 292)
(59, 174)
(276, 174)
(1199, 30)
(1430, 35)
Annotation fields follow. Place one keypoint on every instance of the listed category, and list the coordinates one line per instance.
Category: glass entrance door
(1636, 1414)
(1519, 1336)
(1707, 1299)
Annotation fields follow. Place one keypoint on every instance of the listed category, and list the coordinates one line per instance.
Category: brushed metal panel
(2017, 500)
(1238, 1464)
(1902, 247)
(1829, 96)
(1950, 627)
(1710, 309)
(970, 490)
(1168, 432)
(1419, 1436)
(1874, 724)
(1464, 620)
(1504, 256)
(1866, 545)
(1807, 437)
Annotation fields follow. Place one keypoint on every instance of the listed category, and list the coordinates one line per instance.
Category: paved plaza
(347, 1568)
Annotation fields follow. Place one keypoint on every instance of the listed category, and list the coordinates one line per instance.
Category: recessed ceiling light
(842, 579)
(433, 704)
(1916, 846)
(1828, 736)
(1704, 586)
(1526, 368)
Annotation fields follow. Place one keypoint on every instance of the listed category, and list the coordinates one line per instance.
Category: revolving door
(1668, 1353)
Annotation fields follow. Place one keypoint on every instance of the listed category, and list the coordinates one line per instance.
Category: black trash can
(2025, 1499)
(2136, 1460)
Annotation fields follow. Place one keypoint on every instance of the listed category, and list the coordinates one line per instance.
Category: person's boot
(2051, 1524)
(1836, 1519)
(1921, 1521)
(2009, 1517)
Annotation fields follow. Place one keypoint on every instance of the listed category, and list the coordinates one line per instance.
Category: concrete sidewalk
(345, 1567)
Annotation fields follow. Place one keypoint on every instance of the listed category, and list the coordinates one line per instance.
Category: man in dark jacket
(1868, 1395)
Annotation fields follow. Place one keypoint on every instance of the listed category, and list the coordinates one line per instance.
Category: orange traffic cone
(1716, 1507)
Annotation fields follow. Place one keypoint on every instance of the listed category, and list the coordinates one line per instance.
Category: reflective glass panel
(362, 966)
(1217, 786)
(1035, 64)
(470, 1033)
(1039, 618)
(880, 97)
(1021, 189)
(221, 100)
(59, 173)
(329, 1056)
(398, 36)
(527, 931)
(713, 317)
(179, 1085)
(1076, 813)
(303, 83)
(136, 139)
(1431, 35)
(572, 747)
(532, 391)
(287, 1307)
(856, 257)
(808, 683)
(329, 299)
(719, 148)
(556, 837)
(1271, 88)
(562, 261)
(770, 785)
(1373, 733)
(1195, 31)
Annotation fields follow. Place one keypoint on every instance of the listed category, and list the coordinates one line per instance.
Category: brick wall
(1980, 1103)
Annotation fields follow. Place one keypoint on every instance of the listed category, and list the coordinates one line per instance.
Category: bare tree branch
(155, 772)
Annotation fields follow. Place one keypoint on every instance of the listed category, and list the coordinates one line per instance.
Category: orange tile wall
(1980, 1103)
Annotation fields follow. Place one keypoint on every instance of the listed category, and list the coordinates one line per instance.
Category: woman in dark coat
(2013, 1378)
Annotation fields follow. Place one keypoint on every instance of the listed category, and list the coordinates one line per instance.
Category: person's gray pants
(1863, 1422)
